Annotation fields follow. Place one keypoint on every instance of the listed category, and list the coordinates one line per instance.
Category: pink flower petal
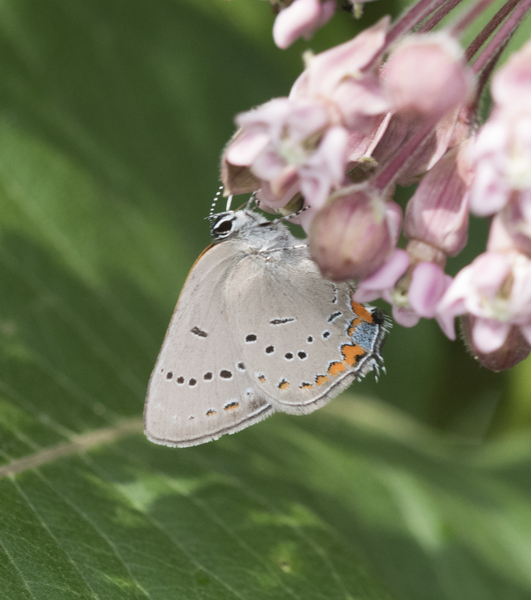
(428, 284)
(268, 164)
(447, 324)
(489, 192)
(268, 200)
(362, 296)
(526, 332)
(328, 69)
(511, 85)
(489, 335)
(332, 152)
(245, 148)
(269, 117)
(388, 274)
(489, 271)
(360, 97)
(453, 301)
(300, 18)
(328, 8)
(405, 316)
(426, 75)
(393, 215)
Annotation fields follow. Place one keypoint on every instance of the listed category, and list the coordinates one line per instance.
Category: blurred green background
(113, 116)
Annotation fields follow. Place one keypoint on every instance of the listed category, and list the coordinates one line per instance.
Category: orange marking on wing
(261, 378)
(283, 385)
(352, 353)
(336, 367)
(321, 379)
(361, 311)
(353, 326)
(210, 412)
(231, 406)
(306, 386)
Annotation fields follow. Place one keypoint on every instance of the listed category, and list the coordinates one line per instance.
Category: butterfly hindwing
(303, 337)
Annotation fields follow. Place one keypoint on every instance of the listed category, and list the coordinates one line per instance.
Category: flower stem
(407, 152)
(489, 29)
(470, 16)
(415, 15)
(504, 32)
(437, 16)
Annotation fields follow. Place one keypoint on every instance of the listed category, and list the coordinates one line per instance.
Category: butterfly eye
(223, 227)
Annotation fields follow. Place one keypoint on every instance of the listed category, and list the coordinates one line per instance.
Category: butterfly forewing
(200, 388)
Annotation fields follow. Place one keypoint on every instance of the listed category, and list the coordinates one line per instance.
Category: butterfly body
(257, 329)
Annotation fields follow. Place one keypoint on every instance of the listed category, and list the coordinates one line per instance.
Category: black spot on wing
(199, 332)
(282, 321)
(334, 316)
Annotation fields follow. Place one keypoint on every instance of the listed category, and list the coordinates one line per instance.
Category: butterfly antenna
(291, 215)
(252, 198)
(216, 198)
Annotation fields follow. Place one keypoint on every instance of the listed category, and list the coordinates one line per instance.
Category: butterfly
(257, 329)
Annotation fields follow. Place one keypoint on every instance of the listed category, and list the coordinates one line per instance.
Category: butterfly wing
(200, 387)
(303, 336)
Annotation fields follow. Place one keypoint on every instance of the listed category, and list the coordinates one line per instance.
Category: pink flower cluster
(389, 108)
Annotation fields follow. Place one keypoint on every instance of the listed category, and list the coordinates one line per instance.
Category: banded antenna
(216, 198)
(291, 215)
(252, 198)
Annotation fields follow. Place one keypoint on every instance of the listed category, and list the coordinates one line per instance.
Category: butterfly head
(226, 224)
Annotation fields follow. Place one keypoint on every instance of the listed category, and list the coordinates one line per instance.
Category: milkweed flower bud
(437, 213)
(496, 289)
(515, 348)
(351, 237)
(301, 18)
(426, 75)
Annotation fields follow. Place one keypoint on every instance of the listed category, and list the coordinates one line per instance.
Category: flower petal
(428, 284)
(298, 19)
(489, 335)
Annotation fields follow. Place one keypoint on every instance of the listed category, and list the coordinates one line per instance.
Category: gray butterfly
(257, 329)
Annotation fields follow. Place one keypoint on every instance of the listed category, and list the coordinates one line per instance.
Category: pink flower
(351, 237)
(515, 348)
(413, 290)
(501, 153)
(426, 75)
(501, 159)
(302, 143)
(287, 145)
(302, 18)
(496, 289)
(348, 77)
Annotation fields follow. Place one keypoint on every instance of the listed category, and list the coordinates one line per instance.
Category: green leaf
(112, 118)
